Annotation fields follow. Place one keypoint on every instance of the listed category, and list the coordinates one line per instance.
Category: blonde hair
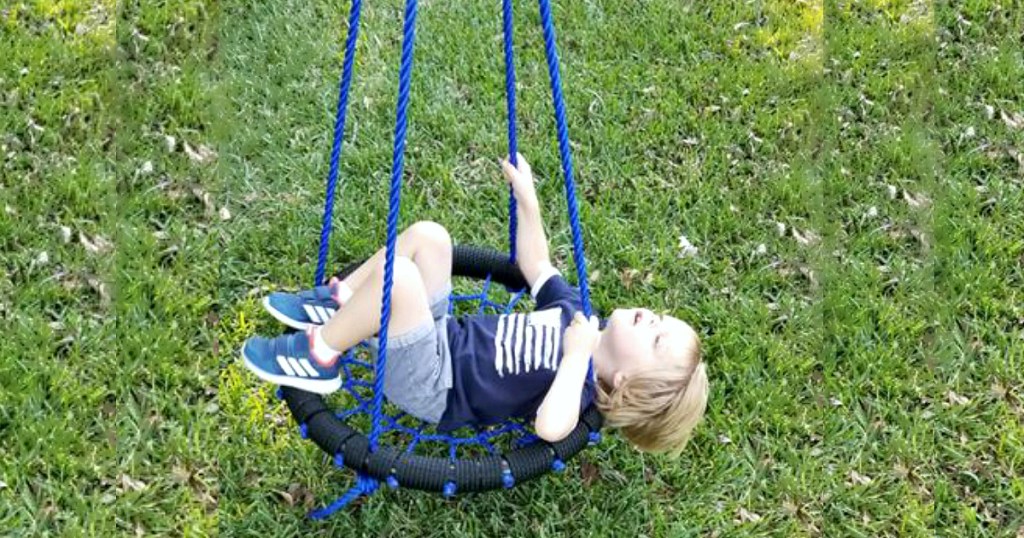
(658, 408)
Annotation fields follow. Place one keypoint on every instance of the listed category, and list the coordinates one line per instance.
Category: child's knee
(432, 232)
(404, 270)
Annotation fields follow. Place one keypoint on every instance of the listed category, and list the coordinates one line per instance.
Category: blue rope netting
(355, 370)
(381, 422)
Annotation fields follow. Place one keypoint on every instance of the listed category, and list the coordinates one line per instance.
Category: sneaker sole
(318, 386)
(280, 316)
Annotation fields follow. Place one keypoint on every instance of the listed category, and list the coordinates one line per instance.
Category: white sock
(341, 292)
(321, 351)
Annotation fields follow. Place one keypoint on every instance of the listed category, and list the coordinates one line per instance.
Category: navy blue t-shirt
(503, 366)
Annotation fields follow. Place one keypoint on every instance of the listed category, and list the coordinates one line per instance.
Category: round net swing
(398, 449)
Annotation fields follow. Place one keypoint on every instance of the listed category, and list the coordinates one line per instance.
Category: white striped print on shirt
(318, 314)
(296, 367)
(527, 342)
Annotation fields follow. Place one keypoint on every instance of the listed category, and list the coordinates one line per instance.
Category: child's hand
(521, 179)
(581, 337)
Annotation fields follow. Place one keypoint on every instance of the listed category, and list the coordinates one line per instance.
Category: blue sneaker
(287, 360)
(305, 309)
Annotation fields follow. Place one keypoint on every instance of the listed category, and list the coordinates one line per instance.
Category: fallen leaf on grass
(859, 479)
(956, 399)
(205, 198)
(96, 245)
(200, 154)
(208, 501)
(806, 238)
(1013, 120)
(1017, 156)
(101, 289)
(130, 484)
(632, 276)
(917, 201)
(590, 473)
(286, 497)
(686, 248)
(225, 213)
(745, 516)
(297, 494)
(180, 475)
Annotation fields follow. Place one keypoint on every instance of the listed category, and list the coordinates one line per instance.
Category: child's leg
(428, 245)
(360, 319)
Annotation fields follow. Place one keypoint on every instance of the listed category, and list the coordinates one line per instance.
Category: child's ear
(617, 379)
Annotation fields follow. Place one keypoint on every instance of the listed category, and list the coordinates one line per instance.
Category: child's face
(637, 338)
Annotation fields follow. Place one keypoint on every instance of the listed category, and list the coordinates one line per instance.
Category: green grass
(866, 362)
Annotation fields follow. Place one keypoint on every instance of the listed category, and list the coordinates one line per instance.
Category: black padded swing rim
(432, 473)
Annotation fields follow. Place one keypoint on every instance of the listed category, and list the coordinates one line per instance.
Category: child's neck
(602, 366)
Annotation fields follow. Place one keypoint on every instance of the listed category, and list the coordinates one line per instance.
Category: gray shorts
(419, 369)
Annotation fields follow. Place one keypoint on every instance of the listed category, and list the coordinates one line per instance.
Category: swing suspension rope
(303, 405)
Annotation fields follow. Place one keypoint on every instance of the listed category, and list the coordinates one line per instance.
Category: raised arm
(560, 410)
(531, 243)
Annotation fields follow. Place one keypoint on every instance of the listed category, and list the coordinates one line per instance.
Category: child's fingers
(509, 171)
(524, 166)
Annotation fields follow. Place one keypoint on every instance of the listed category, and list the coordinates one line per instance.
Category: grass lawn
(851, 174)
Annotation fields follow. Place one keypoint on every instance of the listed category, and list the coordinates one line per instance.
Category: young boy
(483, 369)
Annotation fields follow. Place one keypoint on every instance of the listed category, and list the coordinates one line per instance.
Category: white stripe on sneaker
(323, 314)
(309, 368)
(330, 312)
(298, 369)
(312, 313)
(321, 385)
(283, 363)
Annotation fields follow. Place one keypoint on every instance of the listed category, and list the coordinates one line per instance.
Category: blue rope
(510, 100)
(397, 169)
(551, 52)
(564, 151)
(365, 485)
(381, 423)
(339, 133)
